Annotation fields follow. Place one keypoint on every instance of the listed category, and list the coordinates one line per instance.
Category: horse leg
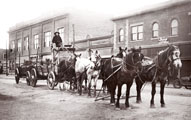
(71, 82)
(163, 82)
(79, 85)
(95, 84)
(74, 81)
(118, 96)
(85, 88)
(138, 88)
(104, 87)
(89, 85)
(112, 100)
(152, 105)
(127, 94)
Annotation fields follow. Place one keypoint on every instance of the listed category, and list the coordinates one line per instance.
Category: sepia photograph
(95, 60)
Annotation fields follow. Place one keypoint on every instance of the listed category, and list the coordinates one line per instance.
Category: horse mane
(161, 59)
(127, 60)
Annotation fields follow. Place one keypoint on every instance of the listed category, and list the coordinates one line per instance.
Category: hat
(56, 32)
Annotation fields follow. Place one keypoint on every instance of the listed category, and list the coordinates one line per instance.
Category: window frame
(174, 27)
(47, 38)
(62, 33)
(26, 43)
(121, 35)
(13, 44)
(155, 30)
(19, 45)
(4, 56)
(36, 41)
(189, 19)
(137, 33)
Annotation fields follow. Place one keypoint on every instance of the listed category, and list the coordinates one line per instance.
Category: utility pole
(73, 35)
(6, 60)
(29, 53)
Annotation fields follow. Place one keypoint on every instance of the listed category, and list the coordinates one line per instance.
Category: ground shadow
(6, 97)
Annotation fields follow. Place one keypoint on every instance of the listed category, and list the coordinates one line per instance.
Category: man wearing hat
(57, 39)
(57, 44)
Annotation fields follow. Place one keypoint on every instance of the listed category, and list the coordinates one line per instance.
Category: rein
(112, 74)
(67, 68)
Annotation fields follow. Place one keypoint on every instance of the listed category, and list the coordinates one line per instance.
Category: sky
(17, 11)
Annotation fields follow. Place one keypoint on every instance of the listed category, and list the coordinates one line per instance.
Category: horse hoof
(162, 105)
(138, 101)
(112, 104)
(152, 106)
(127, 108)
(117, 108)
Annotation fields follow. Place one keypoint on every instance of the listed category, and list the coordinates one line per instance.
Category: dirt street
(22, 102)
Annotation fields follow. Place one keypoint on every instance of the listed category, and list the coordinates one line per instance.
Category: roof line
(154, 8)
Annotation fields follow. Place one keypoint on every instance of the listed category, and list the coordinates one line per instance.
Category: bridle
(134, 64)
(97, 62)
(133, 61)
(168, 61)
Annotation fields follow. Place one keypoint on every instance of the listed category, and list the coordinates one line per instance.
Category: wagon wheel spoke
(28, 78)
(51, 80)
(33, 77)
(17, 75)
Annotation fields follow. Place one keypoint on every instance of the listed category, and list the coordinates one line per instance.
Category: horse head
(76, 57)
(169, 60)
(174, 56)
(122, 52)
(134, 59)
(96, 59)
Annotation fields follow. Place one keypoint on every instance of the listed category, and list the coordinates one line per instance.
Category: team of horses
(124, 68)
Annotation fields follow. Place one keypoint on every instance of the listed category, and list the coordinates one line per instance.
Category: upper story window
(121, 35)
(13, 44)
(189, 19)
(47, 39)
(174, 27)
(61, 31)
(155, 30)
(36, 41)
(4, 56)
(19, 45)
(26, 43)
(137, 33)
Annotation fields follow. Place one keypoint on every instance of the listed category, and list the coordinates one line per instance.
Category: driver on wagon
(56, 46)
(57, 40)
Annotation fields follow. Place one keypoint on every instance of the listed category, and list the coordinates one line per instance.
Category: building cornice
(154, 8)
(35, 22)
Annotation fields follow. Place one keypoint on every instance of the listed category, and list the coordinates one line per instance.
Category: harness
(168, 61)
(123, 66)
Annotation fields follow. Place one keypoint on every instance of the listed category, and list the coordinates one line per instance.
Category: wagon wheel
(51, 81)
(17, 75)
(187, 86)
(33, 77)
(177, 84)
(28, 78)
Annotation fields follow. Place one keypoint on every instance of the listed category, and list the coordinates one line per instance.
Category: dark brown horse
(66, 72)
(166, 63)
(119, 71)
(104, 61)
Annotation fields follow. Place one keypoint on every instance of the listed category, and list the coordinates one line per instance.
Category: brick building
(3, 61)
(25, 38)
(154, 28)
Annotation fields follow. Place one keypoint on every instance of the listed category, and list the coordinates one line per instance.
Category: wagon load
(63, 62)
